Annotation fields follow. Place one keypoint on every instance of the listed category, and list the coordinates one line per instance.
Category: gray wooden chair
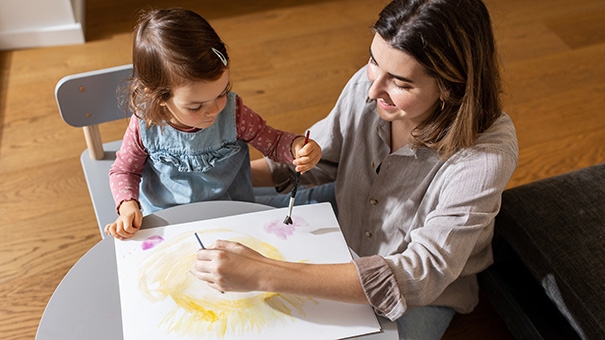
(86, 100)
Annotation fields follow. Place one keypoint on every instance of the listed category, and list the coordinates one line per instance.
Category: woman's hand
(306, 156)
(128, 223)
(230, 266)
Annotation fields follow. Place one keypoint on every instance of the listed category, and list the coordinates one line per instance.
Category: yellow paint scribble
(200, 310)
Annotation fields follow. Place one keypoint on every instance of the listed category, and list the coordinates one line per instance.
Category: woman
(419, 152)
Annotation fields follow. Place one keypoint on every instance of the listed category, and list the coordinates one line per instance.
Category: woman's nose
(377, 88)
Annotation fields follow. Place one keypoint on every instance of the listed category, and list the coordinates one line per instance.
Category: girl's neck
(182, 127)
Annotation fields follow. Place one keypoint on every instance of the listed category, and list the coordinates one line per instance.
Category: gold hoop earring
(442, 105)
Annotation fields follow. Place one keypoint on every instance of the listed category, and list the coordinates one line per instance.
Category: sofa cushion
(557, 227)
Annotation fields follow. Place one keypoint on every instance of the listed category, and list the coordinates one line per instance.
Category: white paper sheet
(162, 299)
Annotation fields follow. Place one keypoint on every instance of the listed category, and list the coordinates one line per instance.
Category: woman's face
(198, 103)
(401, 86)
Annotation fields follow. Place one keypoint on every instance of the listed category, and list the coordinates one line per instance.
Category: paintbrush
(288, 219)
(199, 241)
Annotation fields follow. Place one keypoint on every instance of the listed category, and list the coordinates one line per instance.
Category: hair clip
(220, 56)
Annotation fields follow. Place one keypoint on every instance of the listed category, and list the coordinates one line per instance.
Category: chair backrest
(91, 98)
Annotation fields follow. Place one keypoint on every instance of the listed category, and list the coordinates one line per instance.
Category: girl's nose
(213, 110)
(217, 106)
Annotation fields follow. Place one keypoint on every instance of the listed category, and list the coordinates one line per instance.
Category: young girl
(186, 141)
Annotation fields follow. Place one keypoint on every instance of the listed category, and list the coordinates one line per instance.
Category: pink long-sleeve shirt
(126, 172)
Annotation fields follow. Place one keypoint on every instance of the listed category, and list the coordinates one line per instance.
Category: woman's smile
(386, 105)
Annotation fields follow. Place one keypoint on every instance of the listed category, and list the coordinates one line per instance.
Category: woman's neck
(401, 134)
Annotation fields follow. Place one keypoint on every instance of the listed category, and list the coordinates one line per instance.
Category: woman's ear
(445, 94)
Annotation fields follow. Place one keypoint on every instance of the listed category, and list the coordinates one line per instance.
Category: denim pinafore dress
(186, 167)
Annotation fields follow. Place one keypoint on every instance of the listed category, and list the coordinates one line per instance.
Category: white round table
(86, 304)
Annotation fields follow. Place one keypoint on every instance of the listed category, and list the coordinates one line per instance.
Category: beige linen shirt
(422, 226)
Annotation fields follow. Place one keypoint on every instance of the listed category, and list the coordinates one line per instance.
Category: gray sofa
(548, 278)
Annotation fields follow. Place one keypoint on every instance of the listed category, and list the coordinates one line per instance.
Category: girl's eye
(227, 90)
(372, 61)
(195, 109)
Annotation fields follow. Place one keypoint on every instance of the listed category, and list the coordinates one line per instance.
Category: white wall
(36, 23)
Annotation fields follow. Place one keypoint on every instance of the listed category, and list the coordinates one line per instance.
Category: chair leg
(93, 141)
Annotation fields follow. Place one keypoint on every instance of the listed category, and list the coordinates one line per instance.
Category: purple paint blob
(282, 230)
(151, 242)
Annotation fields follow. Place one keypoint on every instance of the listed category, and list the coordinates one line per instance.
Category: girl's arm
(126, 171)
(124, 177)
(253, 129)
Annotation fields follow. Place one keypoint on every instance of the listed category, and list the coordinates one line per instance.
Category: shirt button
(368, 234)
(373, 201)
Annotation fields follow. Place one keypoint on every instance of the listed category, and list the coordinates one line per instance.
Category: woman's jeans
(425, 323)
(304, 195)
(420, 323)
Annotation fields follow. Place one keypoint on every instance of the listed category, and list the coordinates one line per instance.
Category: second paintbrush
(288, 219)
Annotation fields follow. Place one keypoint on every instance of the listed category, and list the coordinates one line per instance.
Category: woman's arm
(261, 173)
(231, 266)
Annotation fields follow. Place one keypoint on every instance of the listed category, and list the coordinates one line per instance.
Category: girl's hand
(307, 156)
(128, 223)
(230, 266)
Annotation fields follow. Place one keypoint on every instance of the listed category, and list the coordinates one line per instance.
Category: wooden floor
(289, 62)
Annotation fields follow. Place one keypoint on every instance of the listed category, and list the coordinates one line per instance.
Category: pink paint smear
(151, 242)
(282, 230)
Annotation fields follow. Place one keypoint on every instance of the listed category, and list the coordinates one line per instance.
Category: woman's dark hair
(453, 40)
(171, 47)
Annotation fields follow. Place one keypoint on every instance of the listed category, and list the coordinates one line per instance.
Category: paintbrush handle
(295, 187)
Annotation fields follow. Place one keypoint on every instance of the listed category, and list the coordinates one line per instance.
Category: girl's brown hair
(453, 40)
(171, 47)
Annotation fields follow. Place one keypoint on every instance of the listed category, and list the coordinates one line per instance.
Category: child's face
(198, 103)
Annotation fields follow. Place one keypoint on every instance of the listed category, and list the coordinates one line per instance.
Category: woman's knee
(426, 323)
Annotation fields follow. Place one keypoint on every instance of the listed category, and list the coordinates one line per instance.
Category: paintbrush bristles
(288, 219)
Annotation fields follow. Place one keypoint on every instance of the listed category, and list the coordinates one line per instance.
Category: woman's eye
(196, 109)
(402, 87)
